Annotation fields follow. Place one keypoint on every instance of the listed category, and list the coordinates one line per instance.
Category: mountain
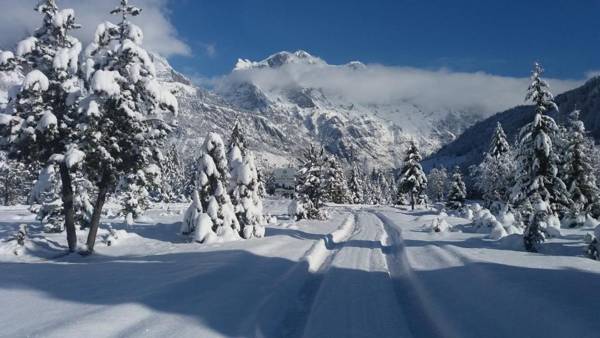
(201, 112)
(285, 90)
(469, 148)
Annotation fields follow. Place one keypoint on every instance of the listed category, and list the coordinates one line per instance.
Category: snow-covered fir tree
(538, 220)
(124, 129)
(457, 193)
(499, 144)
(135, 195)
(334, 183)
(213, 181)
(356, 185)
(16, 180)
(42, 128)
(437, 183)
(46, 200)
(172, 187)
(537, 171)
(308, 196)
(413, 180)
(494, 176)
(380, 191)
(244, 186)
(578, 172)
(82, 201)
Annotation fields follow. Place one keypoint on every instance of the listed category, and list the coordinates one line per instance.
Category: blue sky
(499, 37)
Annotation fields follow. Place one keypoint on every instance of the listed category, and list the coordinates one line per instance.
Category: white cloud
(17, 19)
(432, 90)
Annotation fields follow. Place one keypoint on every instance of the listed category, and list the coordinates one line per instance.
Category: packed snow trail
(356, 296)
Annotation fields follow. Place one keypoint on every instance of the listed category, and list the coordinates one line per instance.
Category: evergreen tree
(308, 196)
(494, 176)
(379, 188)
(124, 129)
(579, 174)
(46, 200)
(499, 145)
(135, 195)
(173, 177)
(244, 186)
(533, 234)
(458, 191)
(42, 128)
(15, 181)
(537, 171)
(334, 184)
(213, 180)
(413, 180)
(82, 202)
(356, 186)
(437, 181)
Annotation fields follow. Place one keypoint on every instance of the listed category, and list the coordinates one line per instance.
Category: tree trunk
(95, 222)
(68, 209)
(412, 200)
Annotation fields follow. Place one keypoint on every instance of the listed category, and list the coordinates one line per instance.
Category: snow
(6, 57)
(48, 121)
(36, 81)
(73, 157)
(5, 119)
(204, 233)
(107, 82)
(26, 46)
(66, 58)
(382, 276)
(61, 18)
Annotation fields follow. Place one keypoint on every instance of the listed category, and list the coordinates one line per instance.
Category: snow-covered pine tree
(46, 201)
(578, 172)
(413, 180)
(82, 202)
(124, 129)
(135, 195)
(499, 144)
(173, 181)
(334, 183)
(213, 180)
(378, 188)
(537, 171)
(437, 182)
(538, 218)
(192, 215)
(15, 181)
(42, 127)
(262, 184)
(244, 186)
(494, 176)
(308, 196)
(458, 191)
(356, 185)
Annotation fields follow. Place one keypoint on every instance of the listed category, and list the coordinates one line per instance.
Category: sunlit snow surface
(366, 272)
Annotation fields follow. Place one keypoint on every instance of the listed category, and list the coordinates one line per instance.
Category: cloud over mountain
(433, 90)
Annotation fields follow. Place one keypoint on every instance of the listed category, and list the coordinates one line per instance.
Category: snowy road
(367, 272)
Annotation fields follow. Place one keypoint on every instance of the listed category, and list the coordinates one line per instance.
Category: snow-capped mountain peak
(280, 59)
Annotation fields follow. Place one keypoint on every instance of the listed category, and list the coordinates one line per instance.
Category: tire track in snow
(356, 296)
(288, 306)
(424, 318)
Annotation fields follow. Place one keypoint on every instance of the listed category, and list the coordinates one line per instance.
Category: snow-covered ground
(366, 272)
